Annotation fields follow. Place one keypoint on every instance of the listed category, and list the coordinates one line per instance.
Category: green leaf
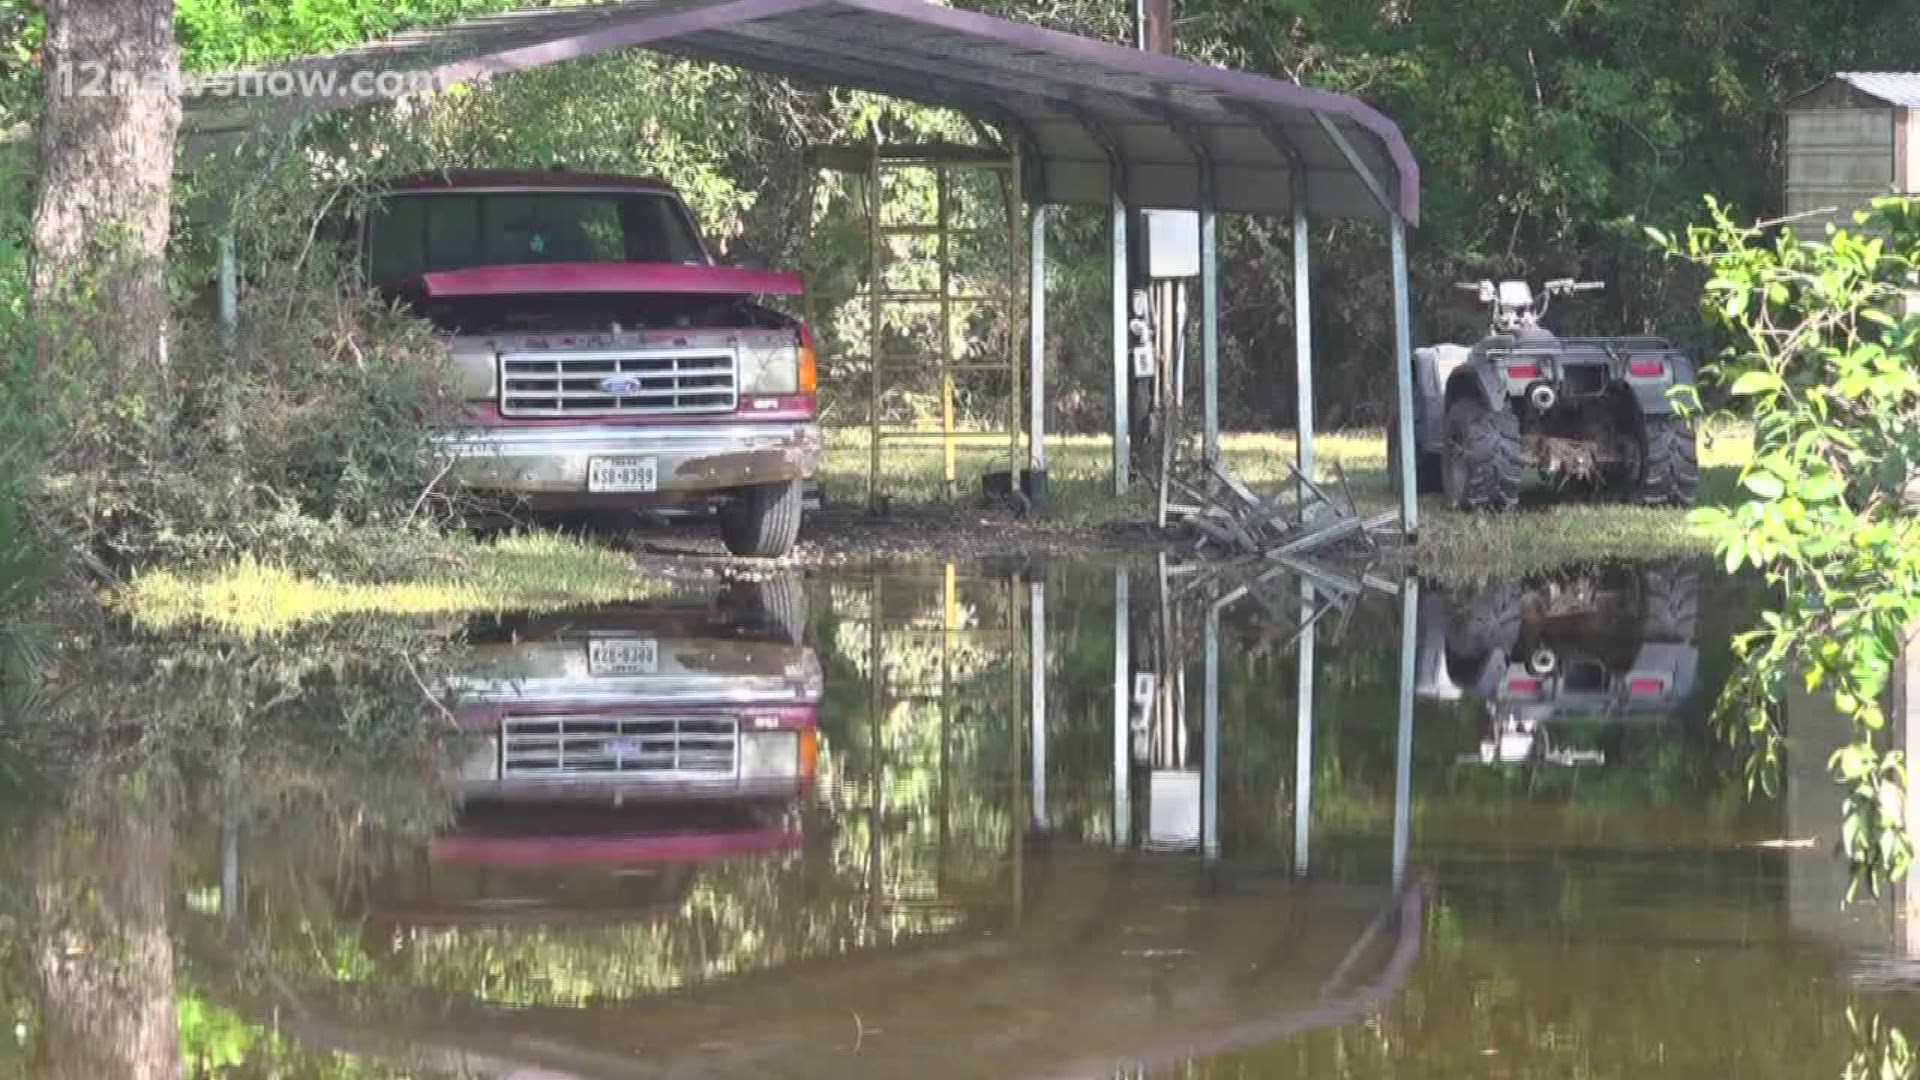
(1764, 484)
(1756, 382)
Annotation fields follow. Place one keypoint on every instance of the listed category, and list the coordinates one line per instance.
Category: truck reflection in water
(612, 751)
(1550, 655)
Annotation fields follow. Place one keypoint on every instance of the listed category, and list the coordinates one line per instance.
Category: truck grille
(659, 382)
(654, 747)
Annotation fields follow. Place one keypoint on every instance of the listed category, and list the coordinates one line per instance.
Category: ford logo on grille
(620, 385)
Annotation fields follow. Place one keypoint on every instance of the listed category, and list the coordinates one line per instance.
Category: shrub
(310, 423)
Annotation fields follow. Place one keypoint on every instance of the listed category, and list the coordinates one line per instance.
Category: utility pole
(1151, 302)
(1155, 33)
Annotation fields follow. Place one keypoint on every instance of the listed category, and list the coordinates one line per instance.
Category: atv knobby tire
(1480, 467)
(763, 521)
(1670, 463)
(1672, 598)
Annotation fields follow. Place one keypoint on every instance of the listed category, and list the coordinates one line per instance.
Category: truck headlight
(783, 368)
(476, 369)
(770, 369)
(769, 755)
(481, 761)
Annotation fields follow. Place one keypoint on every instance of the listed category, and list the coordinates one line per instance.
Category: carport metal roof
(1074, 104)
(1097, 124)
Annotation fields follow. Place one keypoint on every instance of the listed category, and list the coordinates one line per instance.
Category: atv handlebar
(1485, 290)
(1569, 285)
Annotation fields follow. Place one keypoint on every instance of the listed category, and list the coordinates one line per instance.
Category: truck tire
(1670, 463)
(763, 521)
(782, 600)
(1480, 466)
(769, 608)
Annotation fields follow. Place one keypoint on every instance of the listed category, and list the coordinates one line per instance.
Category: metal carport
(1098, 124)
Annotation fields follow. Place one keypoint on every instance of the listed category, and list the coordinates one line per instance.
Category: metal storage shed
(1098, 124)
(1850, 139)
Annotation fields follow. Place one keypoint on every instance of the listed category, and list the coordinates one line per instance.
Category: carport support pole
(1210, 329)
(1403, 745)
(1122, 711)
(1210, 750)
(1303, 737)
(1122, 368)
(229, 286)
(1302, 344)
(1037, 693)
(1403, 380)
(1037, 355)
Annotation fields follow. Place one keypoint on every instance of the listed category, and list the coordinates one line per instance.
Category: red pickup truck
(608, 362)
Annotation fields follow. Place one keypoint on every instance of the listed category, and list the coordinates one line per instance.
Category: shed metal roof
(1067, 100)
(1897, 88)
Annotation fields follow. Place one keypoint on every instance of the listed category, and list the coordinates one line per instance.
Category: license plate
(622, 474)
(623, 656)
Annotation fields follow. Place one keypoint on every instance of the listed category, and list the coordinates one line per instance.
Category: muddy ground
(967, 534)
(834, 537)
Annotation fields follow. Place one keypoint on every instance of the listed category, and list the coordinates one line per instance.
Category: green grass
(1544, 533)
(538, 572)
(1079, 470)
(543, 572)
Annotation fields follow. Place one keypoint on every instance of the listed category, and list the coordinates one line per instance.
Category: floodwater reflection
(1068, 820)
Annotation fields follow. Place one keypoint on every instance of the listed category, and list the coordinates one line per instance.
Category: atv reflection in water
(1601, 646)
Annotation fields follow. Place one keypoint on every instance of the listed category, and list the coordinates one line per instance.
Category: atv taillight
(1647, 369)
(1521, 684)
(1523, 371)
(1646, 687)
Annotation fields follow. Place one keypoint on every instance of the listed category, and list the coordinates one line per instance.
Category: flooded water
(1063, 820)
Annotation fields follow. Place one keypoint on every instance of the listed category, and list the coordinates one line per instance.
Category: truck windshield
(420, 232)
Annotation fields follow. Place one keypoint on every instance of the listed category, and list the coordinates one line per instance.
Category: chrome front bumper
(691, 458)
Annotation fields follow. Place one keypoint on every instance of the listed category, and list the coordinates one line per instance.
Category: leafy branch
(1826, 356)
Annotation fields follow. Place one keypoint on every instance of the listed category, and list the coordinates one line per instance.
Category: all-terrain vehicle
(1594, 415)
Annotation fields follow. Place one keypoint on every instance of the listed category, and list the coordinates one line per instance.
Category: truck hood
(629, 278)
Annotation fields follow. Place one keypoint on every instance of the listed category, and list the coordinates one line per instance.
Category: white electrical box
(1173, 808)
(1173, 243)
(1142, 362)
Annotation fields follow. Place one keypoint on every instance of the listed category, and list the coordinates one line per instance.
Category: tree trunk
(105, 958)
(112, 109)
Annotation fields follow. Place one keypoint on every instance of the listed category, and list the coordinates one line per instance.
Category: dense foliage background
(1548, 132)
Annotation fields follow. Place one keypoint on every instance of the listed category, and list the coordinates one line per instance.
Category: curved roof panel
(1073, 103)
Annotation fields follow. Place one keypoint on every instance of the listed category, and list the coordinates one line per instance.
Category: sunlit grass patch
(1456, 545)
(1079, 470)
(1546, 533)
(536, 572)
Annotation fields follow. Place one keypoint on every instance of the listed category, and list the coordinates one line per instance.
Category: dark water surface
(852, 825)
